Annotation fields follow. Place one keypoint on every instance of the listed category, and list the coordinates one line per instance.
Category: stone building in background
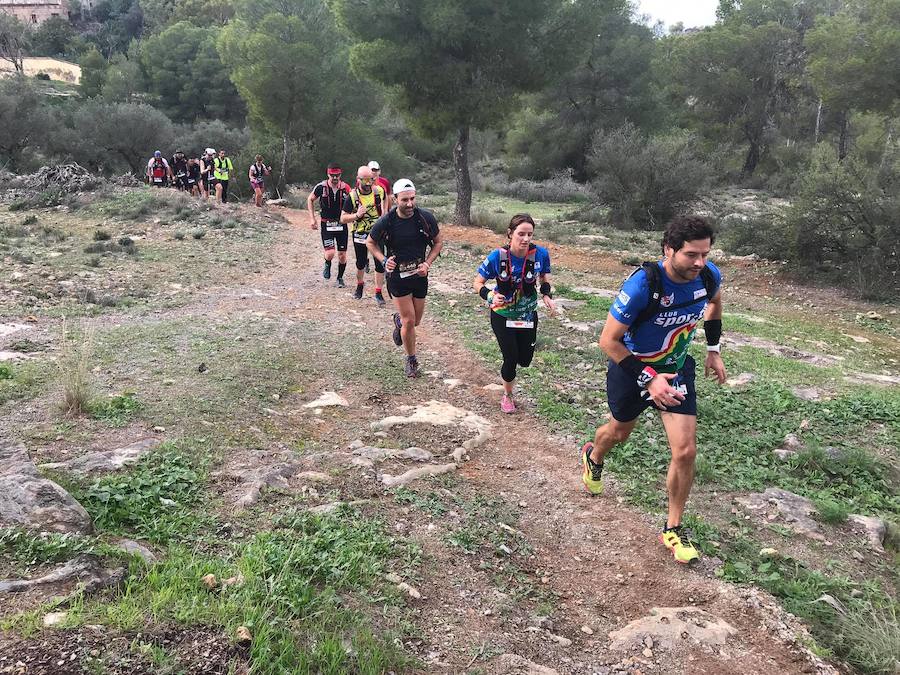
(35, 12)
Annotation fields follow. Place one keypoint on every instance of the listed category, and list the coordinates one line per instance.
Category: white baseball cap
(374, 165)
(210, 151)
(403, 185)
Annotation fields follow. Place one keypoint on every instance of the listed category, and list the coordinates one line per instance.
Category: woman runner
(257, 174)
(522, 270)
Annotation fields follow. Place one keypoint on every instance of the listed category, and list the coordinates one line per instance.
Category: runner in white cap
(383, 182)
(407, 241)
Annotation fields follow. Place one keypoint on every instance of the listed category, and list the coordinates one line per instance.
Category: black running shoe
(398, 338)
(379, 298)
(368, 267)
(412, 366)
(341, 283)
(326, 272)
(358, 292)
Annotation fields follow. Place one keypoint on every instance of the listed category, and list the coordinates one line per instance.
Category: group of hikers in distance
(647, 334)
(205, 176)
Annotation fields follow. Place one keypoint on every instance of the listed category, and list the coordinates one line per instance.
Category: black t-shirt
(407, 243)
(194, 171)
(178, 166)
(330, 201)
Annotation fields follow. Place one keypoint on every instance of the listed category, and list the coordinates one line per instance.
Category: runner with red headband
(331, 193)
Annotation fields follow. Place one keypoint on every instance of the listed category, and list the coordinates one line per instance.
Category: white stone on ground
(328, 398)
(671, 627)
(440, 413)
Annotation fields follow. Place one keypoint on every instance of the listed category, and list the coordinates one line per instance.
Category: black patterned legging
(516, 345)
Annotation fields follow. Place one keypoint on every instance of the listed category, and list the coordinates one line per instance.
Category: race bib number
(407, 269)
(360, 237)
(158, 179)
(331, 226)
(512, 323)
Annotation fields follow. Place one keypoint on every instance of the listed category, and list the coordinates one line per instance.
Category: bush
(102, 235)
(845, 222)
(560, 188)
(645, 180)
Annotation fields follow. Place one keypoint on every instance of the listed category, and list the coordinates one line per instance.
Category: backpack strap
(709, 282)
(655, 290)
(503, 264)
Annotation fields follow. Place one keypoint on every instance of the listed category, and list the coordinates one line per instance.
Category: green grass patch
(154, 500)
(6, 372)
(115, 410)
(310, 589)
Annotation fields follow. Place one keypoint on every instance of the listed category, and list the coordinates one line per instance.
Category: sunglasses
(366, 181)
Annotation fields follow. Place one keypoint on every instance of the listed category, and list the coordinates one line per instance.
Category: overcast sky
(692, 12)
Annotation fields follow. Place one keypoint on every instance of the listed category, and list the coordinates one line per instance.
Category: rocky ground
(288, 394)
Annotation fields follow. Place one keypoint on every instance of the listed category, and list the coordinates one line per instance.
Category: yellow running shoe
(592, 472)
(676, 540)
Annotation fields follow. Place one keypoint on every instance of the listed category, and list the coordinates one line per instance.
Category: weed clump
(117, 409)
(74, 371)
(102, 235)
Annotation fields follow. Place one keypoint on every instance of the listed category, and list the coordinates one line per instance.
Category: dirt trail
(602, 559)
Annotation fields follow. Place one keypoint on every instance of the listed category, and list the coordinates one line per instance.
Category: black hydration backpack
(654, 282)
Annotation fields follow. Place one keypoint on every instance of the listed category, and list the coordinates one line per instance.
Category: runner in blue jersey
(647, 342)
(519, 268)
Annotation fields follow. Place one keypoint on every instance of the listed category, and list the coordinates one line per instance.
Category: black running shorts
(416, 285)
(336, 240)
(626, 401)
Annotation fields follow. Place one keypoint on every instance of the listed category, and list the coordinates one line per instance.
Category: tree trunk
(463, 179)
(751, 160)
(844, 137)
(284, 156)
(818, 121)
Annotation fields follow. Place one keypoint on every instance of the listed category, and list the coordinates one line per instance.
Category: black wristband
(713, 329)
(483, 292)
(632, 365)
(545, 289)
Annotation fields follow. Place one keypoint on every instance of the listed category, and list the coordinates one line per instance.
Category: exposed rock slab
(107, 460)
(670, 627)
(85, 570)
(513, 664)
(327, 399)
(873, 378)
(741, 381)
(875, 528)
(440, 413)
(794, 510)
(415, 474)
(29, 499)
(256, 473)
(381, 454)
(737, 340)
(599, 292)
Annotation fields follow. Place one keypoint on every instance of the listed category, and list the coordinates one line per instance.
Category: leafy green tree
(116, 135)
(455, 64)
(25, 121)
(734, 78)
(854, 61)
(186, 74)
(205, 12)
(124, 81)
(93, 73)
(52, 37)
(610, 81)
(15, 40)
(157, 13)
(289, 64)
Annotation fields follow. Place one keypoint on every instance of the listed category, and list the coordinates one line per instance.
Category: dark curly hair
(687, 228)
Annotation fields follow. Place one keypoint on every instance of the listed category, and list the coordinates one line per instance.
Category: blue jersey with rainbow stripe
(663, 340)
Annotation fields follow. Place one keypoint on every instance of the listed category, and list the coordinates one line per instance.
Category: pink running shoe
(507, 405)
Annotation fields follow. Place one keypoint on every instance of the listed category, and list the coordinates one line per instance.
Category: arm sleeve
(488, 268)
(631, 299)
(317, 191)
(432, 222)
(348, 205)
